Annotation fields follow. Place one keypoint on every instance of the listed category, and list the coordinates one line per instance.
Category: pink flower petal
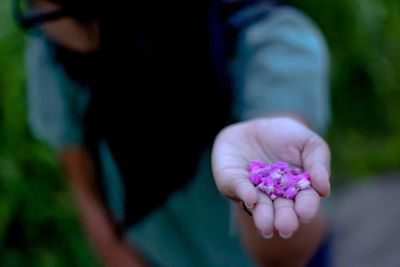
(279, 191)
(296, 171)
(304, 184)
(256, 165)
(280, 165)
(276, 173)
(278, 179)
(255, 178)
(288, 180)
(291, 192)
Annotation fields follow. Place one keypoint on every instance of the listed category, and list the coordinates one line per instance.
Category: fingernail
(267, 236)
(285, 236)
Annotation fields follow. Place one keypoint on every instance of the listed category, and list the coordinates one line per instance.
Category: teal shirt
(281, 65)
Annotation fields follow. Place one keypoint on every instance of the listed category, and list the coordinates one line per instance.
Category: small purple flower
(256, 165)
(296, 171)
(266, 171)
(278, 191)
(278, 179)
(288, 180)
(280, 165)
(291, 192)
(304, 184)
(304, 175)
(255, 178)
(260, 187)
(276, 173)
(269, 184)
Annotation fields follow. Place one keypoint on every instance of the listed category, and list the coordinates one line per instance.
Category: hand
(270, 140)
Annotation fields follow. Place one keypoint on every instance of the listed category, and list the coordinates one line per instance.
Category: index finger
(234, 183)
(307, 204)
(316, 160)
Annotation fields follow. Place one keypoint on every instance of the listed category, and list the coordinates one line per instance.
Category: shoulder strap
(226, 19)
(243, 13)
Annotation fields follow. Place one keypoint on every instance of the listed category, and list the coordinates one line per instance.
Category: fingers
(283, 214)
(286, 221)
(316, 161)
(245, 191)
(263, 216)
(230, 173)
(320, 179)
(234, 183)
(306, 205)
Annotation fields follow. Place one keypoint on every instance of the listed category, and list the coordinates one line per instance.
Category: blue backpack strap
(226, 20)
(243, 13)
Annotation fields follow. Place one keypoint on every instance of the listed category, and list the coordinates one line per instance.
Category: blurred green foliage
(38, 225)
(363, 36)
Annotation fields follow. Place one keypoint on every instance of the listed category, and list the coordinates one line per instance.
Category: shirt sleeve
(282, 65)
(56, 104)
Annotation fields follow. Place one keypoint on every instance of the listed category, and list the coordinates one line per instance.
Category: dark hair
(84, 11)
(81, 9)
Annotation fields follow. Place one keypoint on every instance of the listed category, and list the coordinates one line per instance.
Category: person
(156, 111)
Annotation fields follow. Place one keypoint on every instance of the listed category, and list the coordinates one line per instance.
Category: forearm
(94, 216)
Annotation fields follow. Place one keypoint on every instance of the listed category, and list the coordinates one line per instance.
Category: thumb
(235, 184)
(231, 176)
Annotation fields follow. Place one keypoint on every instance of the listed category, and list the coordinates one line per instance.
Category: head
(69, 23)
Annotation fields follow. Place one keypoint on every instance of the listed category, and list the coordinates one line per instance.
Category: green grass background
(38, 224)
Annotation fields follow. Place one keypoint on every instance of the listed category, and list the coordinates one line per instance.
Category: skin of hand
(270, 140)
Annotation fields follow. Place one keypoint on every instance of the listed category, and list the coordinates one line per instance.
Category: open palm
(269, 140)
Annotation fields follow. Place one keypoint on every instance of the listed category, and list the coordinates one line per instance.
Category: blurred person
(157, 107)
